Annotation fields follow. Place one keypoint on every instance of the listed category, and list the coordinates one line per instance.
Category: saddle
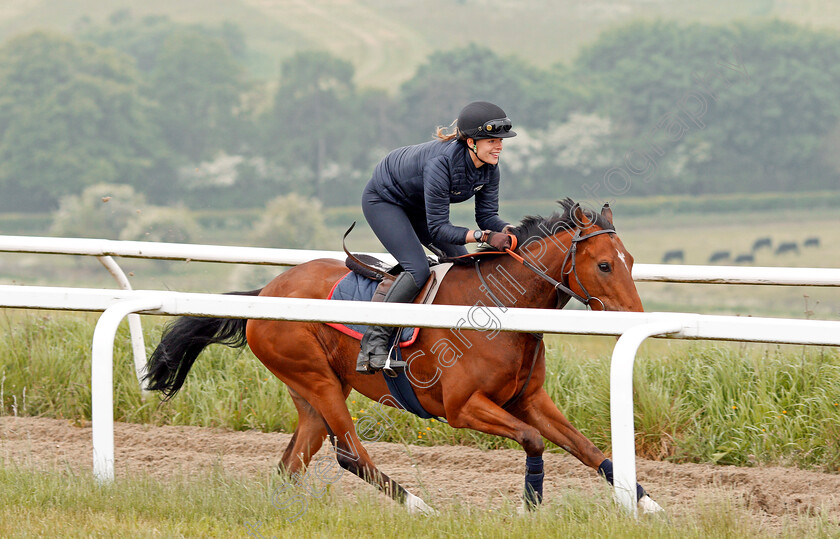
(372, 268)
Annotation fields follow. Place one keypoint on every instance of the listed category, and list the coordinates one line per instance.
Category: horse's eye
(605, 267)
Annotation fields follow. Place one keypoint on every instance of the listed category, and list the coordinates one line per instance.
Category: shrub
(292, 222)
(171, 225)
(101, 211)
(288, 222)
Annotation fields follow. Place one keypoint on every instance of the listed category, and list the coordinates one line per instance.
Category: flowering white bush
(581, 145)
(289, 222)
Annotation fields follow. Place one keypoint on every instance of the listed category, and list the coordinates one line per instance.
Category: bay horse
(485, 380)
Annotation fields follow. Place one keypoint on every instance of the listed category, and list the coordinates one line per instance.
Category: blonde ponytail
(447, 133)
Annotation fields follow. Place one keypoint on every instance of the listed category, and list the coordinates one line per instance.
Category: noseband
(564, 293)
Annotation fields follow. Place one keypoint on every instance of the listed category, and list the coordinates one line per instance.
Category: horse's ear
(606, 211)
(579, 216)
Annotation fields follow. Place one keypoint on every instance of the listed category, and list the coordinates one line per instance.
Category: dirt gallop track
(442, 474)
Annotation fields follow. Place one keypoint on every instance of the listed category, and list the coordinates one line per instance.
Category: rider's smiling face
(486, 150)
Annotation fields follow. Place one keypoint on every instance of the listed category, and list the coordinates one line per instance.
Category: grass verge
(214, 504)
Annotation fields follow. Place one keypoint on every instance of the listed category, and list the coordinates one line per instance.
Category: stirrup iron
(388, 369)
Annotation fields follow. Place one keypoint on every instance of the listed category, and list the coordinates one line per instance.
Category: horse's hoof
(416, 505)
(524, 509)
(647, 506)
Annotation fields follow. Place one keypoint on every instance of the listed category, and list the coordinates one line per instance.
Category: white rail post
(135, 328)
(621, 407)
(102, 383)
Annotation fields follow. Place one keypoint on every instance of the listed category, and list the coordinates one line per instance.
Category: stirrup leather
(374, 354)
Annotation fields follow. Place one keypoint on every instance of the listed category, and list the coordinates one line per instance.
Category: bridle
(564, 293)
(572, 254)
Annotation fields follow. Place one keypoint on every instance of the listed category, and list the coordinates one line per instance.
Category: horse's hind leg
(329, 401)
(541, 412)
(307, 439)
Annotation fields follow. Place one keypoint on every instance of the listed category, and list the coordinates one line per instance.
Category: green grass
(720, 403)
(694, 402)
(215, 504)
(49, 355)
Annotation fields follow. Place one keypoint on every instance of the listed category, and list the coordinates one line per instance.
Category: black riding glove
(498, 240)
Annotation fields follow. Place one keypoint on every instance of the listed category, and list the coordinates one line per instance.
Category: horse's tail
(182, 342)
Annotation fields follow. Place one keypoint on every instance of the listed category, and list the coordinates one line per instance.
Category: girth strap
(530, 373)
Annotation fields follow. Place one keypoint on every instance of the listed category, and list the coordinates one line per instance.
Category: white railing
(632, 328)
(167, 251)
(104, 250)
(292, 257)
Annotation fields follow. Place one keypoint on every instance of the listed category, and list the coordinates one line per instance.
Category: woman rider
(406, 204)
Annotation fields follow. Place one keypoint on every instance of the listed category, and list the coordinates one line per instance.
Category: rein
(564, 293)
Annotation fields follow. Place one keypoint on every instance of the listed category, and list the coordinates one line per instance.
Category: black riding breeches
(404, 234)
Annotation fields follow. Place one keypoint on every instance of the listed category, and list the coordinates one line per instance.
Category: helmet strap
(474, 149)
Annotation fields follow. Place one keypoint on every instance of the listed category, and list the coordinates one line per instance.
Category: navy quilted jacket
(429, 177)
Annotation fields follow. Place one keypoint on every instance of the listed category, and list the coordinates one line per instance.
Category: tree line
(650, 108)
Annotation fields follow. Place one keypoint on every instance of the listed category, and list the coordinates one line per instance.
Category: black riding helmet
(481, 120)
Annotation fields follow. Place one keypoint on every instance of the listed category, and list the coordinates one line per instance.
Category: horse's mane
(535, 227)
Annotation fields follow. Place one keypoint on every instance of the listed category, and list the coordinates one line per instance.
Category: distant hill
(387, 39)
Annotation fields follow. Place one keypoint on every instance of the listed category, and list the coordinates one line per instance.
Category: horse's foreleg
(482, 414)
(307, 439)
(540, 411)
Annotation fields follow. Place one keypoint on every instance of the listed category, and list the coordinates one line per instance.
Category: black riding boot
(374, 350)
